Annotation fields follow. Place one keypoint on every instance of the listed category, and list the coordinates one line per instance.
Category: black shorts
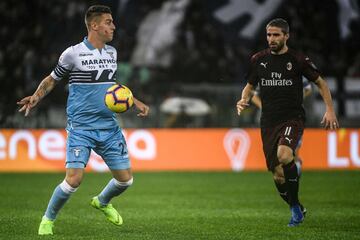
(287, 133)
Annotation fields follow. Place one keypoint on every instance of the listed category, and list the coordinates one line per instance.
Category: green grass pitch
(189, 205)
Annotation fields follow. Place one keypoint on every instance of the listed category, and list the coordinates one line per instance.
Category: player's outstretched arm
(245, 98)
(27, 103)
(329, 120)
(144, 109)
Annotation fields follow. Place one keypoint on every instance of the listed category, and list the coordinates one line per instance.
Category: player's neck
(95, 42)
(282, 51)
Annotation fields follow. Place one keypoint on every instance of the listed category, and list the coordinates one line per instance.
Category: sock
(283, 192)
(113, 188)
(59, 197)
(292, 182)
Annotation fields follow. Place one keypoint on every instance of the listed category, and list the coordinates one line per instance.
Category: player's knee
(285, 157)
(124, 183)
(74, 180)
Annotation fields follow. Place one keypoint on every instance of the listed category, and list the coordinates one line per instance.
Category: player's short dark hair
(95, 11)
(280, 23)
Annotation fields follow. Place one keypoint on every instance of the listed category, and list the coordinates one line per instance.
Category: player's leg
(116, 186)
(114, 152)
(58, 199)
(289, 137)
(270, 138)
(63, 191)
(286, 158)
(299, 162)
(76, 160)
(279, 180)
(285, 155)
(122, 179)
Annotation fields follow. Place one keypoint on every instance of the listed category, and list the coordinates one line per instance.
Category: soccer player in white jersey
(91, 66)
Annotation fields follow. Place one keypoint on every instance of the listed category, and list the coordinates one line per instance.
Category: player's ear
(93, 25)
(287, 35)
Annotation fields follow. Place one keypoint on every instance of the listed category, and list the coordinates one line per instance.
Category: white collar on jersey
(90, 46)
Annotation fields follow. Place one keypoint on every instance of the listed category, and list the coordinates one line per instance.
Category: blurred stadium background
(187, 60)
(198, 49)
(194, 53)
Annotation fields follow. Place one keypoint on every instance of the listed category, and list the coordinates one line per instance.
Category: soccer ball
(119, 98)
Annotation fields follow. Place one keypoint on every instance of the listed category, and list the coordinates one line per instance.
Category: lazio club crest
(111, 54)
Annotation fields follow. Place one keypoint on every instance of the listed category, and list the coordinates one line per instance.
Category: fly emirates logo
(276, 81)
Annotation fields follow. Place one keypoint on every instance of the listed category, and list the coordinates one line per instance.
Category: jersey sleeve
(65, 64)
(252, 76)
(309, 70)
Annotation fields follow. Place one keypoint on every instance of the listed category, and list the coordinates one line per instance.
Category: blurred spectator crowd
(168, 48)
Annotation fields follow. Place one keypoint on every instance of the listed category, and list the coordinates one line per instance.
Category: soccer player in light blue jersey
(91, 66)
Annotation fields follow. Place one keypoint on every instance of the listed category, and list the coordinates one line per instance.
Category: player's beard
(277, 48)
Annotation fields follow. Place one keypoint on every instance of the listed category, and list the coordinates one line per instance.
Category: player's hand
(27, 103)
(144, 109)
(241, 105)
(329, 121)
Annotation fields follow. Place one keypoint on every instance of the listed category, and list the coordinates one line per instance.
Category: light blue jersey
(91, 72)
(91, 125)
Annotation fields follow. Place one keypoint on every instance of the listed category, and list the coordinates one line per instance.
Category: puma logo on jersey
(289, 140)
(263, 64)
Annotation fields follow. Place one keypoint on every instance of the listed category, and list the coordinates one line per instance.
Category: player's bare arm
(245, 98)
(144, 109)
(27, 103)
(329, 120)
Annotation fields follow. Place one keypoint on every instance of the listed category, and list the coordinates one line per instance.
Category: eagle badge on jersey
(77, 152)
(289, 66)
